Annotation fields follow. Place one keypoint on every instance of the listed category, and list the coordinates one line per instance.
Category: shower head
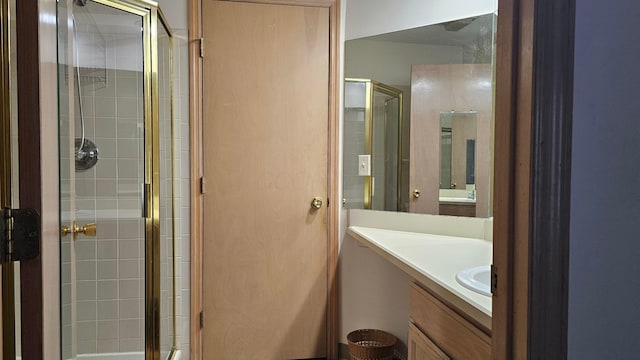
(80, 2)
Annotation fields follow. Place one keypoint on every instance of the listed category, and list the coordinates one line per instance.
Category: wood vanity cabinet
(421, 348)
(458, 209)
(438, 332)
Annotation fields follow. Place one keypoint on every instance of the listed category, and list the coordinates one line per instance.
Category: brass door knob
(65, 230)
(87, 230)
(316, 203)
(416, 193)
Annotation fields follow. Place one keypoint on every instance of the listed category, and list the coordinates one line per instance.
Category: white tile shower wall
(176, 13)
(167, 292)
(110, 267)
(183, 203)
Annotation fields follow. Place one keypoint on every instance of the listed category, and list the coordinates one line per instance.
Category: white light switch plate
(364, 165)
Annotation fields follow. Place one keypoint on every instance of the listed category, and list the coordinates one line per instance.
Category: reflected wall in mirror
(445, 74)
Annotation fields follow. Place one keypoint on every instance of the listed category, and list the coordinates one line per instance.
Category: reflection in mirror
(457, 153)
(373, 122)
(443, 157)
(457, 195)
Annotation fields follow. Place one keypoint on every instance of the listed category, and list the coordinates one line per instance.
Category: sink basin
(476, 279)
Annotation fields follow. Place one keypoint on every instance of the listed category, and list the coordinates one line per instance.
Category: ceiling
(438, 35)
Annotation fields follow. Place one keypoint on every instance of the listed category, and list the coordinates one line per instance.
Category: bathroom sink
(477, 279)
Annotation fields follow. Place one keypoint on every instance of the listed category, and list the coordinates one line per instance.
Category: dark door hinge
(201, 47)
(201, 319)
(19, 235)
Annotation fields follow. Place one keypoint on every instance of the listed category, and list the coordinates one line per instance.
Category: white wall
(604, 317)
(391, 62)
(49, 167)
(374, 293)
(176, 14)
(373, 17)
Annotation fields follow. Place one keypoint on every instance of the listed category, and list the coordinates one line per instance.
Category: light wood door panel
(265, 148)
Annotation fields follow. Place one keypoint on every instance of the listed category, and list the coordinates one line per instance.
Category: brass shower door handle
(87, 230)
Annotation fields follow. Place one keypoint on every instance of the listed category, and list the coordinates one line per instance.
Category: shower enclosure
(372, 134)
(117, 241)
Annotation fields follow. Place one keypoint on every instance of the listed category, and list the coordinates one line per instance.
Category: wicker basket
(370, 344)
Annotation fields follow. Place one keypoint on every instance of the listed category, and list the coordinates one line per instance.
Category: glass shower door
(385, 149)
(105, 177)
(168, 250)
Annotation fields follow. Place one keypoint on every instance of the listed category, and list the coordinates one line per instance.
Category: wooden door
(265, 148)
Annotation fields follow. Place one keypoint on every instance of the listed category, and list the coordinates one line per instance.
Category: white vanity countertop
(433, 261)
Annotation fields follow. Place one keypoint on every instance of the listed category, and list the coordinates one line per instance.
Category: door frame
(196, 169)
(534, 104)
(30, 170)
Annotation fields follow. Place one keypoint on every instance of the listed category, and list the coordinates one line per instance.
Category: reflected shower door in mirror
(372, 146)
(446, 69)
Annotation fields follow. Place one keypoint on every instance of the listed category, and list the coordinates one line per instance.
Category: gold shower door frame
(152, 17)
(371, 87)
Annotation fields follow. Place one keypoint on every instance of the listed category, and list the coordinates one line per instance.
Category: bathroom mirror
(445, 74)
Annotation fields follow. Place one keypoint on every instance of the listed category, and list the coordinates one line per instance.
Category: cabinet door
(421, 348)
(461, 339)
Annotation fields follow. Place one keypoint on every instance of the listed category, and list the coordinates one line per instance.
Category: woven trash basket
(371, 344)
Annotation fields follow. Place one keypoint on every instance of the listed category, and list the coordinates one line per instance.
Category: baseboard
(343, 352)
